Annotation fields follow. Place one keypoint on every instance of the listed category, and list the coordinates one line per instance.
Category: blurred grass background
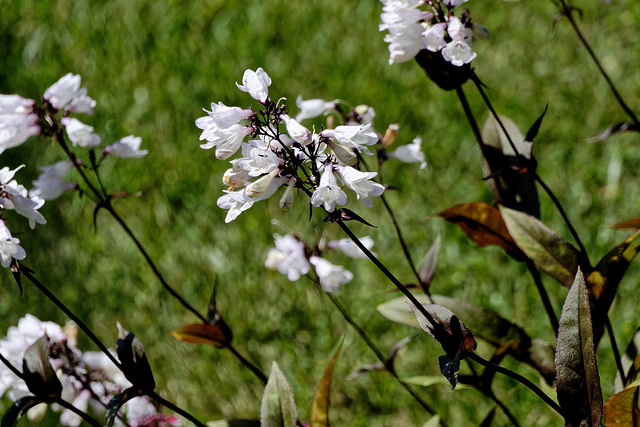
(152, 66)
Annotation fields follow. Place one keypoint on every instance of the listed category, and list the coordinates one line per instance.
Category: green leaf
(483, 224)
(202, 333)
(18, 409)
(432, 422)
(278, 408)
(546, 249)
(621, 409)
(630, 363)
(488, 326)
(322, 399)
(37, 371)
(578, 381)
(604, 280)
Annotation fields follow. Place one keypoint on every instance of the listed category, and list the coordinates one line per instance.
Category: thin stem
(151, 264)
(504, 371)
(253, 368)
(74, 161)
(568, 13)
(470, 118)
(379, 354)
(86, 417)
(558, 206)
(543, 295)
(10, 366)
(72, 316)
(175, 408)
(616, 353)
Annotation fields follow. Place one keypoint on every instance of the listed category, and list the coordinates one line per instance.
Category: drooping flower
(226, 140)
(353, 136)
(299, 133)
(256, 83)
(312, 108)
(237, 202)
(331, 276)
(17, 121)
(63, 91)
(9, 247)
(288, 257)
(361, 184)
(80, 134)
(50, 184)
(328, 192)
(410, 153)
(434, 37)
(82, 104)
(458, 50)
(349, 248)
(223, 116)
(128, 147)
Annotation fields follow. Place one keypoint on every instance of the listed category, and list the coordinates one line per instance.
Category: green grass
(152, 67)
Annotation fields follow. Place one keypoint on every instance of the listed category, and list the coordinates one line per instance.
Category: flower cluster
(292, 257)
(21, 118)
(89, 379)
(280, 151)
(412, 29)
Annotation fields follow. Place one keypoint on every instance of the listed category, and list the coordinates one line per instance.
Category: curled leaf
(202, 333)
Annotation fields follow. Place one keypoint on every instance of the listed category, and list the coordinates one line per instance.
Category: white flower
(257, 159)
(9, 246)
(223, 116)
(238, 201)
(27, 207)
(312, 107)
(328, 192)
(410, 153)
(454, 3)
(353, 136)
(127, 147)
(361, 184)
(405, 43)
(15, 104)
(63, 91)
(49, 184)
(288, 257)
(81, 104)
(349, 248)
(256, 83)
(80, 134)
(226, 140)
(17, 121)
(299, 133)
(458, 50)
(434, 37)
(236, 177)
(331, 276)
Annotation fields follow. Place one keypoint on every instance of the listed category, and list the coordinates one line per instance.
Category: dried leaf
(278, 408)
(578, 381)
(322, 399)
(621, 409)
(617, 128)
(428, 266)
(630, 224)
(202, 333)
(547, 250)
(483, 224)
(604, 280)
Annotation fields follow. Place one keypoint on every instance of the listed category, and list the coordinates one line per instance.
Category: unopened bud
(345, 155)
(260, 185)
(390, 135)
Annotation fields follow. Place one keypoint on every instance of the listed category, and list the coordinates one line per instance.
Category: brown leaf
(322, 399)
(630, 224)
(621, 409)
(483, 224)
(202, 333)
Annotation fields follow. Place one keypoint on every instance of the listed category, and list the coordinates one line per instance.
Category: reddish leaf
(578, 381)
(546, 249)
(322, 399)
(202, 333)
(630, 224)
(483, 224)
(604, 280)
(621, 409)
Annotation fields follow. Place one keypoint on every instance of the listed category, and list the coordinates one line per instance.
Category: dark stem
(568, 13)
(253, 368)
(379, 354)
(616, 353)
(556, 202)
(10, 366)
(504, 371)
(77, 411)
(543, 295)
(470, 118)
(72, 316)
(151, 264)
(175, 408)
(74, 160)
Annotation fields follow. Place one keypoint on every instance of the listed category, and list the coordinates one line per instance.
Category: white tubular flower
(260, 185)
(223, 116)
(17, 121)
(288, 257)
(331, 276)
(226, 140)
(81, 104)
(434, 37)
(127, 148)
(258, 159)
(360, 183)
(410, 153)
(7, 174)
(349, 248)
(353, 136)
(63, 91)
(299, 133)
(366, 114)
(312, 108)
(24, 206)
(328, 192)
(454, 3)
(80, 134)
(238, 201)
(405, 43)
(9, 247)
(49, 184)
(10, 104)
(458, 50)
(256, 83)
(236, 178)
